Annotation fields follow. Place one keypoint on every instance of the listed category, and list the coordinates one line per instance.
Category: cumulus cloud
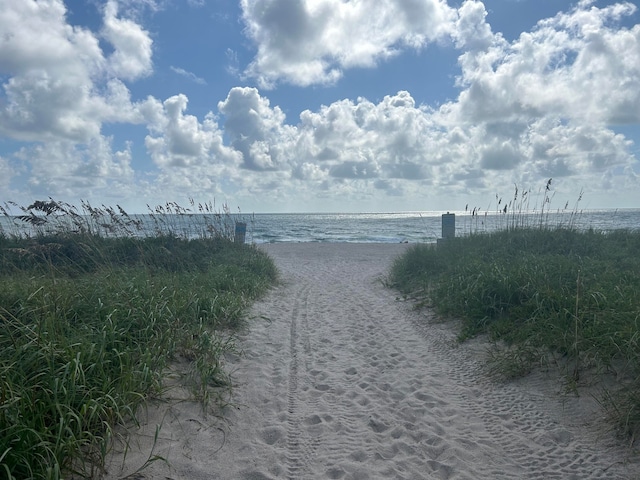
(60, 85)
(310, 42)
(471, 31)
(180, 140)
(364, 140)
(37, 37)
(50, 66)
(578, 65)
(131, 57)
(396, 146)
(62, 168)
(546, 104)
(543, 105)
(60, 88)
(256, 130)
(189, 154)
(560, 150)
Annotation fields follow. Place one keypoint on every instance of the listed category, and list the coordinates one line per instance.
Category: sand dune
(339, 380)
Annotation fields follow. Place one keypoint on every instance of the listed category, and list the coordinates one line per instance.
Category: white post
(448, 225)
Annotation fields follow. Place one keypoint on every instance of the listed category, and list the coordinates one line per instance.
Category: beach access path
(341, 379)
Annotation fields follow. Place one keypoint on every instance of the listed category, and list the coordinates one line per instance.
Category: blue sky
(319, 105)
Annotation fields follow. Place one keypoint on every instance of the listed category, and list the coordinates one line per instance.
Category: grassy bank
(89, 324)
(544, 295)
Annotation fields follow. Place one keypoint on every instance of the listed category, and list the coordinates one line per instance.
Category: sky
(320, 105)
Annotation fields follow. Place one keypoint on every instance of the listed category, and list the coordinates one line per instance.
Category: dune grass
(92, 315)
(543, 294)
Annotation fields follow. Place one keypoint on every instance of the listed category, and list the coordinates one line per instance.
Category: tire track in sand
(299, 448)
(371, 391)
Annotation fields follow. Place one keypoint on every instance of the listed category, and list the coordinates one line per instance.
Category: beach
(339, 378)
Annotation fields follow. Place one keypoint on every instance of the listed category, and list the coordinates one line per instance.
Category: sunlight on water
(399, 227)
(419, 226)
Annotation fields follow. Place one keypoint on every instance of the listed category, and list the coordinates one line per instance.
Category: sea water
(425, 227)
(400, 227)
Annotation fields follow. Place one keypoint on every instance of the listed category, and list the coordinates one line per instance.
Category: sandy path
(341, 381)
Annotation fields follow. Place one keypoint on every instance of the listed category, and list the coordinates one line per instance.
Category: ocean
(412, 227)
(409, 227)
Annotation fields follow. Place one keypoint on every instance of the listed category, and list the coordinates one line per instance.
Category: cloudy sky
(319, 105)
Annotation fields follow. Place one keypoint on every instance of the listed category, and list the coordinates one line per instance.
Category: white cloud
(472, 32)
(544, 105)
(578, 65)
(136, 8)
(61, 169)
(189, 75)
(309, 42)
(365, 140)
(178, 140)
(256, 130)
(60, 86)
(560, 150)
(50, 66)
(6, 174)
(59, 89)
(131, 58)
(37, 37)
(395, 146)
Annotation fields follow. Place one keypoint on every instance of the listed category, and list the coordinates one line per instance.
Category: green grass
(542, 294)
(89, 325)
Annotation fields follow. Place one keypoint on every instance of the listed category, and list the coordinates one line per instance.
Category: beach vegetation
(95, 307)
(545, 295)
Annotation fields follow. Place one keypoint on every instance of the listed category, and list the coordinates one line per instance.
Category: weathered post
(448, 227)
(241, 231)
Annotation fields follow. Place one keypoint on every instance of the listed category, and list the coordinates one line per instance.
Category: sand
(340, 379)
